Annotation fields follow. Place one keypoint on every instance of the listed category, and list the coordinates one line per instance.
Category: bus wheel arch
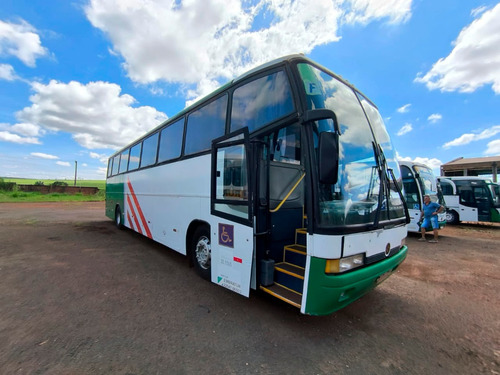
(452, 217)
(118, 217)
(198, 245)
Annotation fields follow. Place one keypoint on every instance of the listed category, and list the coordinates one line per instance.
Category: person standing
(429, 214)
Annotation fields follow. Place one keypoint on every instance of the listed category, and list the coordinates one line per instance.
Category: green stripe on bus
(329, 293)
(115, 194)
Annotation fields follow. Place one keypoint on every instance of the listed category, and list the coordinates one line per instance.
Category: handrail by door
(289, 193)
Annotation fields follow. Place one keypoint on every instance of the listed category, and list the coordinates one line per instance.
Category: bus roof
(267, 65)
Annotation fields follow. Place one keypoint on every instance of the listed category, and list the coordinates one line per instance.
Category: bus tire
(201, 254)
(452, 217)
(118, 217)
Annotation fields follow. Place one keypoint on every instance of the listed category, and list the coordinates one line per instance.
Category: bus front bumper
(328, 293)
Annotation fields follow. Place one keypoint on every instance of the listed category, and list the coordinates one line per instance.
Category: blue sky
(80, 79)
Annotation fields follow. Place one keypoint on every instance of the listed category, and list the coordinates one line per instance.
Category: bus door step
(288, 295)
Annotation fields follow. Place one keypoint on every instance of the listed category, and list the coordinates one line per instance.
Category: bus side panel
(114, 196)
(163, 201)
(495, 215)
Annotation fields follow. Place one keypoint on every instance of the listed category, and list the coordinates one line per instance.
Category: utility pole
(76, 165)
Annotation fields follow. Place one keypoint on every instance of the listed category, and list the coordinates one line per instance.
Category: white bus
(470, 199)
(419, 180)
(283, 180)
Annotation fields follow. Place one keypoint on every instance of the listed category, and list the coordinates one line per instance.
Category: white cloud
(63, 163)
(493, 148)
(435, 117)
(7, 72)
(477, 11)
(103, 158)
(14, 138)
(472, 137)
(363, 11)
(404, 109)
(405, 129)
(96, 114)
(43, 156)
(22, 41)
(211, 41)
(29, 130)
(433, 163)
(474, 60)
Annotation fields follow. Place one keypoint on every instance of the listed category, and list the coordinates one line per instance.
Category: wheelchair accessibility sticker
(226, 235)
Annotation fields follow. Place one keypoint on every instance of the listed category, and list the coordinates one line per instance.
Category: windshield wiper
(385, 188)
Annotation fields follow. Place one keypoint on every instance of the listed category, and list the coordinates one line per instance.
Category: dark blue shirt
(430, 208)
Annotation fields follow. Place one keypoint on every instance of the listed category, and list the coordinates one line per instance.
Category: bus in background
(419, 180)
(283, 180)
(470, 199)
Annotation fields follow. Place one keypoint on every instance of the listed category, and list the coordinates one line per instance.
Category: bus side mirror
(321, 114)
(328, 154)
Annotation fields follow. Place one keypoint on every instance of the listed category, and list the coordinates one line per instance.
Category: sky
(80, 79)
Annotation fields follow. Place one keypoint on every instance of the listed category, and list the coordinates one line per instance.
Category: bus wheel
(452, 217)
(201, 252)
(118, 217)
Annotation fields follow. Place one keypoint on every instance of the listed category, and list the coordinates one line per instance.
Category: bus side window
(261, 101)
(286, 145)
(135, 157)
(171, 141)
(116, 163)
(124, 161)
(466, 196)
(110, 166)
(446, 188)
(149, 148)
(205, 124)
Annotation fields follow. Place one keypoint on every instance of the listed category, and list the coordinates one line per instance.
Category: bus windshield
(426, 179)
(495, 193)
(365, 190)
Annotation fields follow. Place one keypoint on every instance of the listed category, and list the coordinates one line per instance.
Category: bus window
(149, 148)
(286, 145)
(171, 141)
(110, 166)
(205, 124)
(135, 157)
(123, 161)
(261, 101)
(116, 163)
(410, 190)
(446, 188)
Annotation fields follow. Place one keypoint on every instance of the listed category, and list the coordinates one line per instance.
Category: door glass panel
(231, 180)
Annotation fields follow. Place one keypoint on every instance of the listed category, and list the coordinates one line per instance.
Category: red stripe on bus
(130, 221)
(134, 215)
(239, 260)
(143, 219)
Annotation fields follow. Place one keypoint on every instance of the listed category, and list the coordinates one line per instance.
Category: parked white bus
(283, 180)
(470, 199)
(419, 180)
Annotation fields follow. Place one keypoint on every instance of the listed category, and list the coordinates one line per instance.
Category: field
(21, 196)
(79, 296)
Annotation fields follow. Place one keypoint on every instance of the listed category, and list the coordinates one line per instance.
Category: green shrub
(7, 186)
(39, 183)
(59, 183)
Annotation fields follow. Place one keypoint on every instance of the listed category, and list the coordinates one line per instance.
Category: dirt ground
(78, 296)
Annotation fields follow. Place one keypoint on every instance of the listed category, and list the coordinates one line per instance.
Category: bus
(470, 199)
(419, 180)
(284, 180)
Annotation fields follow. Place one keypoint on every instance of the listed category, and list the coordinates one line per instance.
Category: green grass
(21, 196)
(101, 184)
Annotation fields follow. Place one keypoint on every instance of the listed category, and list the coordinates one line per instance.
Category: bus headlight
(344, 264)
